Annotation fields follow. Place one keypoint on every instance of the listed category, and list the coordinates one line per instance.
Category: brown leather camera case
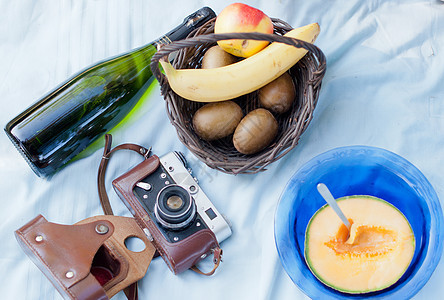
(181, 255)
(69, 255)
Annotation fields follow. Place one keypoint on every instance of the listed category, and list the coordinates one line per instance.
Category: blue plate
(360, 170)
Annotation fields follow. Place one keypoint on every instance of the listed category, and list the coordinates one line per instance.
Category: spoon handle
(328, 197)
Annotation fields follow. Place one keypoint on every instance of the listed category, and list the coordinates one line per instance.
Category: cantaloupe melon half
(377, 253)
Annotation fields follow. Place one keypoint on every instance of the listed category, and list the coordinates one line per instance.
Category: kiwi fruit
(278, 95)
(216, 57)
(255, 131)
(217, 120)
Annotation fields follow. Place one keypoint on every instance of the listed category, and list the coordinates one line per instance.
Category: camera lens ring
(174, 191)
(167, 211)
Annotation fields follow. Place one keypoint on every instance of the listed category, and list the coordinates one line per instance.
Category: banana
(248, 75)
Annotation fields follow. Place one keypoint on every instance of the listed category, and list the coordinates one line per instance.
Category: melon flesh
(374, 256)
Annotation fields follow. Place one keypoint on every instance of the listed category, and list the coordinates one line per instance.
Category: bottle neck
(190, 23)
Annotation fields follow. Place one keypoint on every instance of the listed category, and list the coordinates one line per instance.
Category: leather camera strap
(107, 152)
(131, 291)
(106, 206)
(216, 260)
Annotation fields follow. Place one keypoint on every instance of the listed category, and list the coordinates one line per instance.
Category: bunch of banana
(248, 75)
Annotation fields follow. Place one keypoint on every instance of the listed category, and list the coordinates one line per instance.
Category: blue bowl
(360, 170)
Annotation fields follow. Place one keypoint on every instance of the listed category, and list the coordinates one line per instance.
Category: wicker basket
(307, 75)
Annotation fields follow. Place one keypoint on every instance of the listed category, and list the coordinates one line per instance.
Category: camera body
(172, 210)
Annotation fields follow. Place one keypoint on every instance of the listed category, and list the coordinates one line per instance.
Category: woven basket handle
(212, 38)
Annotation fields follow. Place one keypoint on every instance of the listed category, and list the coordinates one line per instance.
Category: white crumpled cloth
(383, 88)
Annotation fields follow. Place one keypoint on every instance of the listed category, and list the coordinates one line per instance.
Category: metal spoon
(328, 197)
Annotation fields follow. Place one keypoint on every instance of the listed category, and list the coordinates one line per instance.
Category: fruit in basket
(255, 131)
(278, 95)
(372, 256)
(239, 17)
(248, 75)
(217, 120)
(216, 57)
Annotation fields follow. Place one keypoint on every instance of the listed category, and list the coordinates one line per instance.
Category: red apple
(238, 17)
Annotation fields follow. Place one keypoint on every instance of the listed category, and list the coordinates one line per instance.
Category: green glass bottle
(63, 123)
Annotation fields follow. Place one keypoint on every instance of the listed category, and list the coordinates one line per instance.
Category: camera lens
(174, 202)
(175, 208)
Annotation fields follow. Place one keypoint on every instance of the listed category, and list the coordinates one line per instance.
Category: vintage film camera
(91, 259)
(173, 211)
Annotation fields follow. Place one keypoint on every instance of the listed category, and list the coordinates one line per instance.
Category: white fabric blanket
(383, 88)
